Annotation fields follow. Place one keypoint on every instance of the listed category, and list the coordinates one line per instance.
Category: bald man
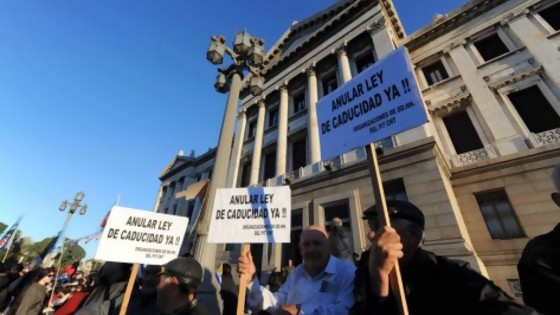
(321, 285)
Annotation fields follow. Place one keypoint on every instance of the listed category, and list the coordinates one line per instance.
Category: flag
(9, 235)
(42, 257)
(104, 221)
(218, 275)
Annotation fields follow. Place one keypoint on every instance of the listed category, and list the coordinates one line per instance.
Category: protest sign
(251, 215)
(136, 236)
(381, 101)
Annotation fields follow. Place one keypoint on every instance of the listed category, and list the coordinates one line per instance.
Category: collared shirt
(328, 293)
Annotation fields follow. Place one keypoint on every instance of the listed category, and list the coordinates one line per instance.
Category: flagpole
(12, 230)
(7, 252)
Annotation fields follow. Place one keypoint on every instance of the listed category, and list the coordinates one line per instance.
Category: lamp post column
(205, 252)
(237, 147)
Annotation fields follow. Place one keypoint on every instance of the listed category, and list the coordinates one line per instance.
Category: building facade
(182, 172)
(480, 168)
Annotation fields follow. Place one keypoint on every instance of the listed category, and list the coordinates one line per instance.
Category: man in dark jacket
(434, 285)
(178, 286)
(340, 242)
(539, 267)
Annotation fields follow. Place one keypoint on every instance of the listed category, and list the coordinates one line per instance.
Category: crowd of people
(329, 281)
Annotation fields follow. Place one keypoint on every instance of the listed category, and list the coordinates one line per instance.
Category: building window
(163, 192)
(299, 156)
(252, 129)
(171, 190)
(181, 183)
(210, 173)
(329, 83)
(435, 73)
(364, 61)
(190, 210)
(395, 190)
(273, 117)
(498, 214)
(290, 250)
(491, 47)
(198, 177)
(552, 16)
(535, 110)
(386, 143)
(462, 133)
(339, 210)
(299, 102)
(246, 175)
(269, 165)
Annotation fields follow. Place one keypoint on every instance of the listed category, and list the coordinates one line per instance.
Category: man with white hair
(321, 285)
(539, 267)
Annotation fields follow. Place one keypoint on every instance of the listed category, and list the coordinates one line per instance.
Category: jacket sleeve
(485, 297)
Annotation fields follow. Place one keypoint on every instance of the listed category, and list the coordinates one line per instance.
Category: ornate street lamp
(247, 54)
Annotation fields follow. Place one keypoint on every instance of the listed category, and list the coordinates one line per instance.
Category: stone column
(343, 64)
(506, 139)
(382, 43)
(537, 43)
(312, 125)
(257, 147)
(282, 142)
(237, 149)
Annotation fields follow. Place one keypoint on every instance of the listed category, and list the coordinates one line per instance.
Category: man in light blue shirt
(321, 285)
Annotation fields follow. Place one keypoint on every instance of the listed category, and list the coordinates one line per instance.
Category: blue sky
(100, 95)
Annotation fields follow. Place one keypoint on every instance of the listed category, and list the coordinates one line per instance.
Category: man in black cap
(539, 266)
(433, 284)
(177, 288)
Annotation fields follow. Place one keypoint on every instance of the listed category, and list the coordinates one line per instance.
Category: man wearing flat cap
(178, 286)
(539, 266)
(433, 285)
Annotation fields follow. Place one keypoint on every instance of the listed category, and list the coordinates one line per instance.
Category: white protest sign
(251, 215)
(136, 236)
(381, 101)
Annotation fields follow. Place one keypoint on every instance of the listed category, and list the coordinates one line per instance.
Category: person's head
(290, 263)
(178, 284)
(78, 275)
(556, 180)
(150, 280)
(337, 222)
(406, 219)
(113, 272)
(315, 249)
(64, 291)
(43, 276)
(226, 269)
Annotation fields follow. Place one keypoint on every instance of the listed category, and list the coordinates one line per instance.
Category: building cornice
(452, 21)
(172, 169)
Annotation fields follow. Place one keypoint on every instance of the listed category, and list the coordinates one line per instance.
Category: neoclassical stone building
(480, 169)
(181, 172)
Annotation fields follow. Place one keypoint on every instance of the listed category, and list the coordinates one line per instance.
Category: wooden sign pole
(129, 287)
(384, 220)
(243, 282)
